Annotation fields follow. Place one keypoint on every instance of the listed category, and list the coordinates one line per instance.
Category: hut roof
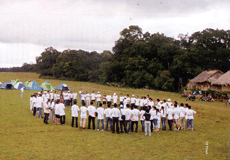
(223, 80)
(205, 76)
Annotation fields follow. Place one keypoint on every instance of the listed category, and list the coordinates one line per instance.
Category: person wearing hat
(133, 100)
(98, 97)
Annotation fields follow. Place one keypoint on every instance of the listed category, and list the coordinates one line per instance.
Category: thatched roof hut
(223, 82)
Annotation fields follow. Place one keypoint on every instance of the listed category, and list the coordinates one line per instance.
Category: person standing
(137, 101)
(121, 99)
(80, 92)
(108, 118)
(170, 117)
(46, 108)
(39, 105)
(190, 114)
(142, 119)
(115, 114)
(74, 111)
(163, 117)
(122, 118)
(93, 96)
(108, 98)
(70, 98)
(22, 91)
(128, 99)
(83, 115)
(56, 112)
(66, 98)
(34, 103)
(91, 113)
(176, 116)
(62, 112)
(133, 101)
(128, 114)
(98, 97)
(134, 118)
(182, 116)
(115, 97)
(82, 98)
(147, 116)
(100, 117)
(75, 97)
(51, 95)
(104, 101)
(87, 99)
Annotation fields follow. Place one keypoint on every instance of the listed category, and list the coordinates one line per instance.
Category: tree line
(142, 59)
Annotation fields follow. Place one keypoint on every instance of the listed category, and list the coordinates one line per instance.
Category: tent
(47, 86)
(33, 85)
(7, 85)
(27, 83)
(63, 87)
(19, 85)
(15, 82)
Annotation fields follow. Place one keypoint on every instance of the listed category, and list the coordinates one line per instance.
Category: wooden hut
(222, 83)
(203, 80)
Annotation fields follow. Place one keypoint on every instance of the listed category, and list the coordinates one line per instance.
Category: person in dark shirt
(147, 116)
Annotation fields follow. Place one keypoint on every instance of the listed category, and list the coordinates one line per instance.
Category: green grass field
(23, 136)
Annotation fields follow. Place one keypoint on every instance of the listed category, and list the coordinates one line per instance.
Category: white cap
(51, 91)
(98, 92)
(44, 92)
(133, 95)
(68, 91)
(39, 92)
(169, 99)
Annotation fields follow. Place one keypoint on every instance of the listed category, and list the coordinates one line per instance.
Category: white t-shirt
(34, 101)
(182, 111)
(83, 112)
(107, 112)
(176, 113)
(52, 105)
(74, 95)
(87, 97)
(39, 102)
(151, 103)
(115, 112)
(115, 97)
(74, 110)
(51, 96)
(98, 96)
(58, 96)
(137, 102)
(133, 100)
(128, 100)
(145, 102)
(91, 110)
(93, 95)
(56, 109)
(100, 113)
(190, 113)
(47, 96)
(121, 98)
(46, 108)
(158, 116)
(61, 109)
(108, 97)
(65, 96)
(186, 110)
(141, 102)
(44, 97)
(151, 112)
(83, 97)
(142, 113)
(135, 113)
(128, 114)
(163, 113)
(170, 113)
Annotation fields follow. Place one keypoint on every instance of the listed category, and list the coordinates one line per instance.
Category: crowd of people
(122, 117)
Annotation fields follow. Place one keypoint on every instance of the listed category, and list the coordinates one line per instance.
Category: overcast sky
(27, 27)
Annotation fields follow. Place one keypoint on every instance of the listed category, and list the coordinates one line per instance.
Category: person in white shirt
(93, 96)
(87, 99)
(31, 106)
(142, 102)
(62, 112)
(176, 117)
(121, 99)
(128, 114)
(75, 97)
(51, 95)
(70, 98)
(122, 118)
(147, 116)
(34, 103)
(170, 104)
(151, 103)
(100, 117)
(115, 97)
(170, 118)
(104, 100)
(55, 96)
(80, 92)
(133, 101)
(158, 115)
(128, 99)
(83, 96)
(74, 114)
(182, 116)
(163, 117)
(145, 102)
(157, 103)
(108, 98)
(186, 116)
(83, 115)
(137, 101)
(134, 118)
(39, 105)
(142, 112)
(58, 96)
(52, 104)
(66, 97)
(155, 118)
(91, 113)
(152, 112)
(115, 114)
(46, 108)
(56, 112)
(22, 91)
(108, 118)
(48, 95)
(98, 97)
(125, 103)
(190, 114)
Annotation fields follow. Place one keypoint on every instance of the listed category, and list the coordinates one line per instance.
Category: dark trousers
(90, 118)
(76, 119)
(170, 122)
(126, 124)
(132, 125)
(71, 101)
(121, 103)
(46, 118)
(115, 121)
(151, 125)
(62, 119)
(122, 124)
(34, 111)
(109, 103)
(132, 105)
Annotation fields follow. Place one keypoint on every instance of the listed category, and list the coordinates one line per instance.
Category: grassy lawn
(23, 136)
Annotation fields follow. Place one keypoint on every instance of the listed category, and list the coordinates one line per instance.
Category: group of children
(131, 110)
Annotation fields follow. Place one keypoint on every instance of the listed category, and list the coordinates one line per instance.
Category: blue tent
(34, 86)
(19, 85)
(63, 87)
(7, 85)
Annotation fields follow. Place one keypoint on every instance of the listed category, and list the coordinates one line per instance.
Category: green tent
(15, 82)
(47, 86)
(27, 83)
